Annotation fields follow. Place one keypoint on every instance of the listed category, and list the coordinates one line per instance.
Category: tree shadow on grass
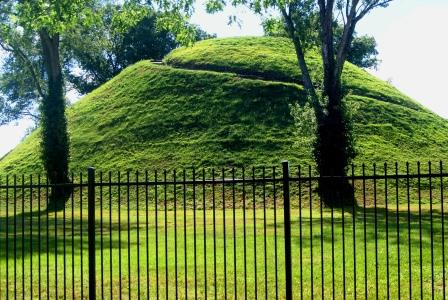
(28, 233)
(371, 217)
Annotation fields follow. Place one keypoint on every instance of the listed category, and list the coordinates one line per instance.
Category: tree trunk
(333, 152)
(55, 143)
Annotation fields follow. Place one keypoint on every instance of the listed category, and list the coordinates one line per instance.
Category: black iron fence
(228, 233)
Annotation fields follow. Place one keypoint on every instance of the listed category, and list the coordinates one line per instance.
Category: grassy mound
(227, 102)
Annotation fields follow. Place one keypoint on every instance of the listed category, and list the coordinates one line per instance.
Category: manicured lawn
(134, 234)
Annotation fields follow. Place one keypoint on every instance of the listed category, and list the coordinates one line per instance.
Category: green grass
(207, 253)
(274, 59)
(199, 110)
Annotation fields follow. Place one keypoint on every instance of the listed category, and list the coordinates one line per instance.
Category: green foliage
(305, 126)
(103, 50)
(152, 116)
(21, 85)
(18, 92)
(54, 16)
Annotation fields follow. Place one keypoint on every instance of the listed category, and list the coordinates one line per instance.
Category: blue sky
(412, 38)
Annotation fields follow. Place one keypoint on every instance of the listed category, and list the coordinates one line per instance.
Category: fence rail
(233, 233)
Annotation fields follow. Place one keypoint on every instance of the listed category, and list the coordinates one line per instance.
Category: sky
(412, 37)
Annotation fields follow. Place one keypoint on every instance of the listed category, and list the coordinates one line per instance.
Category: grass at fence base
(307, 264)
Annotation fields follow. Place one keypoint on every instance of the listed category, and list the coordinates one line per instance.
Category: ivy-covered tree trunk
(55, 142)
(333, 151)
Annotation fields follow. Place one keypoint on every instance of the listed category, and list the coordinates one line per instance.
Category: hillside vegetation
(227, 102)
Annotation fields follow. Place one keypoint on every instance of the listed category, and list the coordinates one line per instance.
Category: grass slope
(199, 110)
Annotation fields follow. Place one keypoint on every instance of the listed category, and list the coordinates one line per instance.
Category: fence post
(91, 230)
(287, 221)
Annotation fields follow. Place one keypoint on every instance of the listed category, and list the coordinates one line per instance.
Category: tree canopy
(95, 54)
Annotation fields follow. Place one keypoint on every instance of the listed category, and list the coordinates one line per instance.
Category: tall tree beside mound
(333, 148)
(45, 41)
(46, 21)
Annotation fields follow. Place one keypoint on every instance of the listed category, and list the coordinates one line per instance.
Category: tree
(45, 21)
(333, 148)
(362, 51)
